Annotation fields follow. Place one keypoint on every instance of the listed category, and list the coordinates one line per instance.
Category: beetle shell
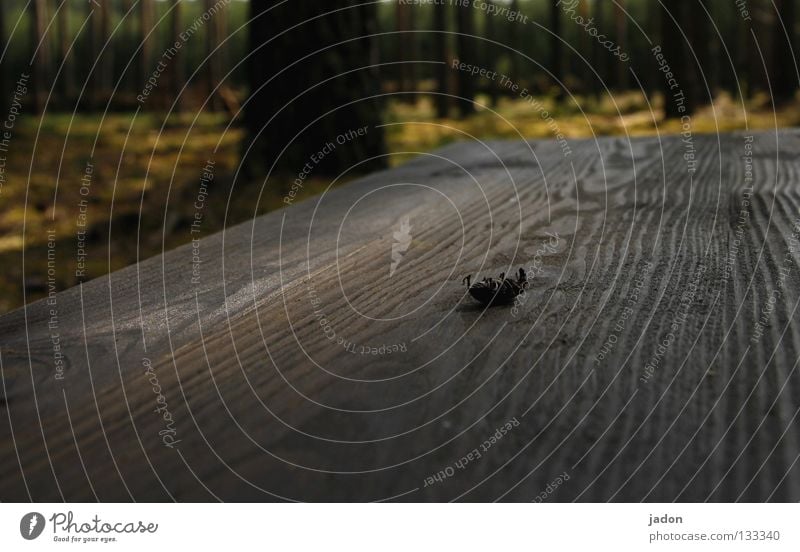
(497, 292)
(493, 292)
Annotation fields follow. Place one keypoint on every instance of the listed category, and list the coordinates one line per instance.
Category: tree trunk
(680, 98)
(731, 77)
(651, 73)
(402, 14)
(214, 66)
(670, 45)
(556, 54)
(490, 54)
(707, 62)
(67, 83)
(599, 56)
(127, 88)
(584, 50)
(621, 27)
(299, 110)
(105, 65)
(175, 63)
(785, 80)
(513, 43)
(710, 51)
(466, 53)
(757, 73)
(413, 53)
(146, 51)
(3, 64)
(40, 54)
(442, 70)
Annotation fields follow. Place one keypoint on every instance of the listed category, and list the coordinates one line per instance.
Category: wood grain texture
(654, 356)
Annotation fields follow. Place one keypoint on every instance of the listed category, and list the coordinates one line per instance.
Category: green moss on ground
(139, 168)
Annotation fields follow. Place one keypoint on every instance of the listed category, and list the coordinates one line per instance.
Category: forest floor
(73, 188)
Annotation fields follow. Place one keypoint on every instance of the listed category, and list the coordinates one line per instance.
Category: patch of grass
(140, 198)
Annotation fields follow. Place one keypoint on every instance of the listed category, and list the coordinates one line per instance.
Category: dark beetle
(497, 292)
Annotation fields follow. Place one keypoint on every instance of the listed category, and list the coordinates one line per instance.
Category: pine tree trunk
(125, 36)
(490, 54)
(710, 52)
(146, 50)
(413, 53)
(736, 47)
(67, 83)
(705, 65)
(757, 73)
(651, 74)
(556, 53)
(621, 26)
(176, 63)
(442, 70)
(785, 81)
(40, 52)
(670, 43)
(599, 56)
(105, 65)
(585, 50)
(466, 82)
(312, 88)
(695, 56)
(402, 14)
(214, 66)
(513, 43)
(681, 97)
(3, 76)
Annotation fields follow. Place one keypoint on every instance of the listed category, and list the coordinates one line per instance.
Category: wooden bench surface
(654, 356)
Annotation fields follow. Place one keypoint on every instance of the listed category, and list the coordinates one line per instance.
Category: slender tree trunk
(713, 59)
(703, 43)
(490, 54)
(785, 81)
(584, 49)
(736, 48)
(442, 70)
(757, 73)
(682, 96)
(40, 52)
(176, 63)
(466, 82)
(692, 81)
(513, 42)
(105, 66)
(671, 41)
(402, 15)
(214, 33)
(102, 59)
(556, 51)
(127, 87)
(621, 26)
(406, 51)
(67, 83)
(146, 50)
(413, 54)
(599, 56)
(3, 64)
(651, 73)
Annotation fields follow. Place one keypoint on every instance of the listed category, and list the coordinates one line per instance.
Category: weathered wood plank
(635, 363)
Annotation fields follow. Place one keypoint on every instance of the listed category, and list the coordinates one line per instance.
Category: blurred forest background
(116, 112)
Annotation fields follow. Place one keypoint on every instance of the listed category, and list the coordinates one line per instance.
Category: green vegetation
(144, 182)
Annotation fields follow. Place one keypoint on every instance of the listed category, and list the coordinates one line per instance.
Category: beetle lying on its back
(497, 292)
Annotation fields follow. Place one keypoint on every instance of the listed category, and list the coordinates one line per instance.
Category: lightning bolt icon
(34, 519)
